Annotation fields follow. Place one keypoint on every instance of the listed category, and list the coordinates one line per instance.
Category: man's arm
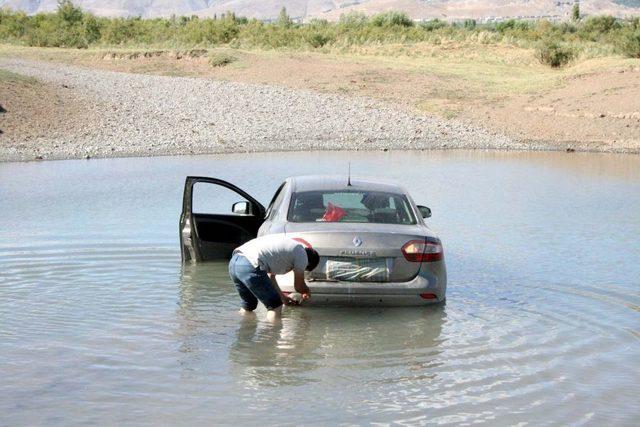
(300, 285)
(285, 299)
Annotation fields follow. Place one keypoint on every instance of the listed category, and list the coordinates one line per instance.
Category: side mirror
(241, 208)
(424, 211)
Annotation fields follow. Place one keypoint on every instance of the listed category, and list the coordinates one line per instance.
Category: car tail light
(428, 296)
(427, 250)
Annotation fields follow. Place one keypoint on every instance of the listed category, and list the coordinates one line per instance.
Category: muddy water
(100, 324)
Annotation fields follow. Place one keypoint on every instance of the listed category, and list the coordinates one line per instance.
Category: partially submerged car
(374, 245)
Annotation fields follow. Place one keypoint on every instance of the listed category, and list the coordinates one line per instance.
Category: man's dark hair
(312, 258)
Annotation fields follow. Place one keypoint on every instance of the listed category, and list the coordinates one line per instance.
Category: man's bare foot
(247, 313)
(275, 314)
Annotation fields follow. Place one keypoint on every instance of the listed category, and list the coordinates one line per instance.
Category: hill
(331, 9)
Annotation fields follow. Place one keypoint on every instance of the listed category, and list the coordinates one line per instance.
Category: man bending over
(254, 265)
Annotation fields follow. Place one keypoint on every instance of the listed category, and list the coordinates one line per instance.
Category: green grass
(221, 59)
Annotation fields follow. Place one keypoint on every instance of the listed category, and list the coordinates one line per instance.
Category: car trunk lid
(357, 252)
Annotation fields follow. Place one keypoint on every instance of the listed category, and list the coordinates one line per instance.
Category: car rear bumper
(386, 300)
(432, 280)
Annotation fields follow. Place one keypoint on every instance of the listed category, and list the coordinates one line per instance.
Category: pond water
(100, 323)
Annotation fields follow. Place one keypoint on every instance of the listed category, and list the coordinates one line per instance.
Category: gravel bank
(141, 115)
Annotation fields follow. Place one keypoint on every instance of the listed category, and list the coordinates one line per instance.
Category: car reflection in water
(308, 345)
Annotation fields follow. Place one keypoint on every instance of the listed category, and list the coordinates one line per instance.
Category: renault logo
(357, 242)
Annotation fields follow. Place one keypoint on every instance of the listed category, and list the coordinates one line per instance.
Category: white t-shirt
(275, 253)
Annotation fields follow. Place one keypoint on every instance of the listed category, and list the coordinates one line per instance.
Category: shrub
(512, 24)
(91, 28)
(630, 44)
(225, 31)
(65, 28)
(72, 36)
(318, 23)
(391, 19)
(486, 37)
(43, 33)
(601, 24)
(284, 20)
(353, 19)
(434, 24)
(221, 59)
(70, 29)
(69, 13)
(551, 53)
(119, 31)
(317, 39)
(567, 28)
(13, 25)
(575, 12)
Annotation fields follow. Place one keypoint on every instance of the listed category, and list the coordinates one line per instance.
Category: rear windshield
(350, 206)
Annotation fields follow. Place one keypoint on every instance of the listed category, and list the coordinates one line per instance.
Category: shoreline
(549, 149)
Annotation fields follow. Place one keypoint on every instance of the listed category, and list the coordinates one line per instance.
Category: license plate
(357, 269)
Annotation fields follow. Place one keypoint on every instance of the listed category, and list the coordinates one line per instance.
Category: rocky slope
(108, 114)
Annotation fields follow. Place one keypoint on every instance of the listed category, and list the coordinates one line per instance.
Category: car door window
(210, 227)
(272, 210)
(214, 199)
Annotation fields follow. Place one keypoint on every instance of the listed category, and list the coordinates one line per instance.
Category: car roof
(340, 182)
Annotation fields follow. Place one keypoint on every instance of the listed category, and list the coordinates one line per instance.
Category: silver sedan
(374, 245)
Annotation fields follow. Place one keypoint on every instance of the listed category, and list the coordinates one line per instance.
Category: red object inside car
(333, 213)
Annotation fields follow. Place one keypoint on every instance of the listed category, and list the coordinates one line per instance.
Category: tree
(91, 28)
(575, 12)
(69, 13)
(283, 19)
(70, 29)
(470, 24)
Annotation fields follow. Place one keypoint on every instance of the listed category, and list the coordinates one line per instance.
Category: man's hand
(300, 286)
(286, 300)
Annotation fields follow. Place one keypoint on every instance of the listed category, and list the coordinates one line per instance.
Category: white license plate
(357, 269)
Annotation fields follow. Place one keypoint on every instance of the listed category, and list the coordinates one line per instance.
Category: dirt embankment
(33, 111)
(596, 110)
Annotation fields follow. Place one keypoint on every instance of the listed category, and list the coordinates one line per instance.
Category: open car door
(209, 236)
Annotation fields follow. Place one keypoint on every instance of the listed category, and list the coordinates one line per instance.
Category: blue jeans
(252, 284)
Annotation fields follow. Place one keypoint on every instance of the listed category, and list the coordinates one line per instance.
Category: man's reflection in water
(309, 344)
(271, 354)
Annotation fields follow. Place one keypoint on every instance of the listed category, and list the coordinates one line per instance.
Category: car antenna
(349, 176)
